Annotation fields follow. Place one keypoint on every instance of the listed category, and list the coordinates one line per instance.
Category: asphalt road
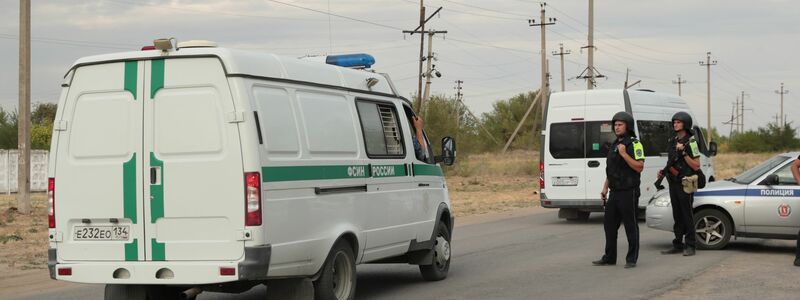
(534, 255)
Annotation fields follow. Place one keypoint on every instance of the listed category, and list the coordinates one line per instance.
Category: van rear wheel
(125, 292)
(441, 256)
(338, 278)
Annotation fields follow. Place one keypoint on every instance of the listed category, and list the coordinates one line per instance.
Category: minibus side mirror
(448, 156)
(772, 179)
(712, 149)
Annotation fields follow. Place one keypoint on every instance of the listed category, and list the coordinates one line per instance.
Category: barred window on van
(381, 128)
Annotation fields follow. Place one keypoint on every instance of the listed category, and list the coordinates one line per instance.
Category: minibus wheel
(441, 256)
(338, 278)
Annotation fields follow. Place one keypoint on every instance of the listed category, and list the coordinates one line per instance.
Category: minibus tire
(339, 269)
(125, 292)
(441, 256)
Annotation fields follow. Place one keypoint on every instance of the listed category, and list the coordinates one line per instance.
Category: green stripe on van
(427, 170)
(157, 191)
(131, 68)
(129, 189)
(132, 250)
(159, 250)
(156, 77)
(294, 173)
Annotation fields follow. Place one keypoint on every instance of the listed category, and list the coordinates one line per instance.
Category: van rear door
(98, 159)
(192, 157)
(564, 149)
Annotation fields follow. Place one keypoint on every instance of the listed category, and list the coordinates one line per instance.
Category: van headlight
(662, 202)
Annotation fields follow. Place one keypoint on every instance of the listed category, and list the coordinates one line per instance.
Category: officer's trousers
(682, 202)
(621, 208)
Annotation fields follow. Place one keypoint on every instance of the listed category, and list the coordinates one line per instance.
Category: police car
(758, 203)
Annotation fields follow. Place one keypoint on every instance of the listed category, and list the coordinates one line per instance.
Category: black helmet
(627, 118)
(685, 118)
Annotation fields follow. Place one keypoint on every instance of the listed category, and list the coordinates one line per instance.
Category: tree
(8, 129)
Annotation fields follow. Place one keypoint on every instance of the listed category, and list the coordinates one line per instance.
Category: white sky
(489, 45)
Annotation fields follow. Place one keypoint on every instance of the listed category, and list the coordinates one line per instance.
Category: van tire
(125, 292)
(441, 255)
(337, 280)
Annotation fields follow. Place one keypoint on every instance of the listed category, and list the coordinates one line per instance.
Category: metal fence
(8, 171)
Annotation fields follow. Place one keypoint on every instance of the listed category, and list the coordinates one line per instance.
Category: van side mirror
(712, 149)
(772, 179)
(448, 156)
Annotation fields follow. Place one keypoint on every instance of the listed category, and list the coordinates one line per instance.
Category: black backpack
(701, 179)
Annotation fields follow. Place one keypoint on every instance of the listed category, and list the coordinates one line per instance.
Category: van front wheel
(338, 278)
(125, 292)
(441, 256)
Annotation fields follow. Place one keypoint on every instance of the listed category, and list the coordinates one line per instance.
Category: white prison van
(579, 132)
(203, 168)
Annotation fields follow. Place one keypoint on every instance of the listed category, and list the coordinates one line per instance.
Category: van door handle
(593, 164)
(155, 172)
(424, 185)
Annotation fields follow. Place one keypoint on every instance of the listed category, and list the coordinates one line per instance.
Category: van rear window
(599, 138)
(567, 140)
(655, 136)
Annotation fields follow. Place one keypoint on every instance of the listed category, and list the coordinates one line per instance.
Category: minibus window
(567, 140)
(381, 129)
(654, 136)
(599, 138)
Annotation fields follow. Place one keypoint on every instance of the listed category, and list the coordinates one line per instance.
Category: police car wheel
(125, 292)
(441, 256)
(713, 229)
(338, 278)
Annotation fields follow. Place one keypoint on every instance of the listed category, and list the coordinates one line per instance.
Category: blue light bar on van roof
(359, 60)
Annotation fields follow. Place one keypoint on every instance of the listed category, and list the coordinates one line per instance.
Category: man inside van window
(420, 147)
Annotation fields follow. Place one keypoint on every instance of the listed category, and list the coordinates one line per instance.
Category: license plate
(565, 181)
(102, 233)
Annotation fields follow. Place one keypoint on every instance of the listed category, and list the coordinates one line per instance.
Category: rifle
(670, 163)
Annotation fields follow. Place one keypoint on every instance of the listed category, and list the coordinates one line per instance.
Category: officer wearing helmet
(624, 164)
(683, 161)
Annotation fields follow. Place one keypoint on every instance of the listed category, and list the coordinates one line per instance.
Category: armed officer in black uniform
(624, 164)
(683, 161)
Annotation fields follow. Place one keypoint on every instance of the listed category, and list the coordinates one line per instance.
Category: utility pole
(590, 48)
(738, 116)
(590, 73)
(421, 30)
(782, 92)
(458, 109)
(24, 121)
(741, 116)
(708, 63)
(733, 108)
(429, 73)
(679, 82)
(561, 53)
(543, 22)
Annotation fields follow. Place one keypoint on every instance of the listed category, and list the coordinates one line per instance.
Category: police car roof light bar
(358, 61)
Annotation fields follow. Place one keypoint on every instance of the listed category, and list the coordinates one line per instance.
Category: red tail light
(252, 199)
(65, 271)
(541, 175)
(51, 203)
(227, 271)
(151, 47)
